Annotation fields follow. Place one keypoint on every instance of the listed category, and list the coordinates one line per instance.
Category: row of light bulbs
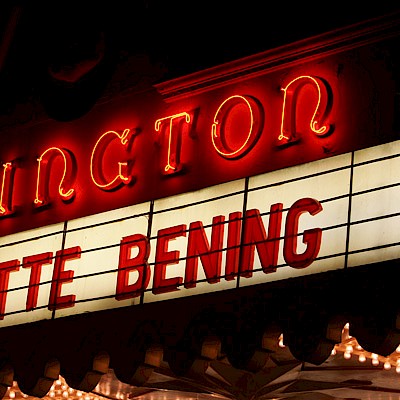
(348, 346)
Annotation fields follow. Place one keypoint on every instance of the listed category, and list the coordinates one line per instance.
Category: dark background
(183, 37)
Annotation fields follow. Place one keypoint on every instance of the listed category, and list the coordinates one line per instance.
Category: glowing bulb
(398, 349)
(11, 394)
(347, 355)
(375, 362)
(398, 369)
(65, 393)
(333, 352)
(374, 356)
(362, 358)
(349, 349)
(281, 341)
(52, 394)
(79, 393)
(387, 365)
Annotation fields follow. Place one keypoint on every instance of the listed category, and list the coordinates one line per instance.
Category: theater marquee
(247, 181)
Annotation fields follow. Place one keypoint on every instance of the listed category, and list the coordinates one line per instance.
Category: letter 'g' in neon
(96, 161)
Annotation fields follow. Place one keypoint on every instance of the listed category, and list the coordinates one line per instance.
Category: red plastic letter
(128, 264)
(233, 244)
(60, 277)
(311, 237)
(5, 269)
(210, 256)
(161, 284)
(35, 263)
(254, 236)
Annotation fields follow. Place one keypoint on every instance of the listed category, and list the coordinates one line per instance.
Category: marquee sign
(307, 219)
(139, 147)
(252, 181)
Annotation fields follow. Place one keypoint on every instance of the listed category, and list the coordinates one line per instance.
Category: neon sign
(233, 133)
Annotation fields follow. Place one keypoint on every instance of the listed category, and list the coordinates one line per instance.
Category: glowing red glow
(222, 126)
(43, 175)
(290, 98)
(123, 176)
(172, 164)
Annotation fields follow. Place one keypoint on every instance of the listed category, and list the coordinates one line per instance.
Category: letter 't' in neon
(173, 163)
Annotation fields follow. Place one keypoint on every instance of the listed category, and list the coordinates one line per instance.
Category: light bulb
(387, 365)
(362, 358)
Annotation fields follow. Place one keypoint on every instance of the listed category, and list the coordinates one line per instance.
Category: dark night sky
(183, 36)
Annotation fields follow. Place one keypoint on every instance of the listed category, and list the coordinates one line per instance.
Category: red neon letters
(235, 129)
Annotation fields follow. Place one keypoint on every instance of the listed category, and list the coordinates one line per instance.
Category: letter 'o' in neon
(219, 129)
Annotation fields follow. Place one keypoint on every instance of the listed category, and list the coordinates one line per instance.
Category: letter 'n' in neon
(318, 122)
(45, 161)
